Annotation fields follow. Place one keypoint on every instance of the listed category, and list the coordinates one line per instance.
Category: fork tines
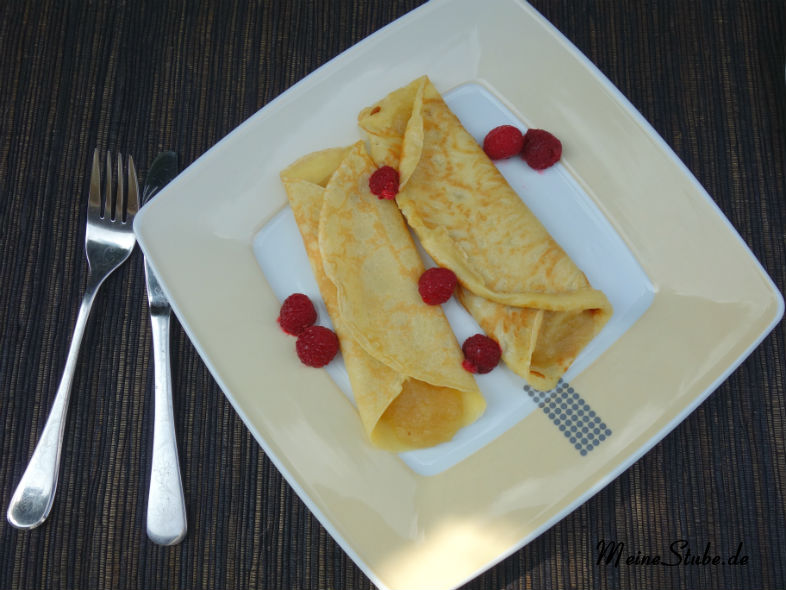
(117, 205)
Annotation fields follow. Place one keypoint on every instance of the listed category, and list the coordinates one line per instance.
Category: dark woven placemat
(141, 77)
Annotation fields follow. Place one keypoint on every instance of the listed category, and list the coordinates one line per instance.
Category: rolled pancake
(403, 361)
(515, 280)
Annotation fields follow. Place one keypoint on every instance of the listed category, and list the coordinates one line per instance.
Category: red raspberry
(316, 346)
(541, 149)
(481, 354)
(384, 182)
(297, 313)
(503, 142)
(436, 285)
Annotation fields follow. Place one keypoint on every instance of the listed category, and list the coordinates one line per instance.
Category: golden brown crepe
(402, 358)
(515, 280)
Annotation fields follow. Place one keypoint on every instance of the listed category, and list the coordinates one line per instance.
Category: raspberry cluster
(316, 346)
(481, 353)
(537, 147)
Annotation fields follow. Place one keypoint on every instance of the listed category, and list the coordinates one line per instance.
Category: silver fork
(109, 241)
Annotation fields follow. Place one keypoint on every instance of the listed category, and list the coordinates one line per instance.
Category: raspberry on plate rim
(504, 141)
(297, 313)
(316, 346)
(541, 149)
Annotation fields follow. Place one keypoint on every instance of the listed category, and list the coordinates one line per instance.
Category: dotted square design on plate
(574, 417)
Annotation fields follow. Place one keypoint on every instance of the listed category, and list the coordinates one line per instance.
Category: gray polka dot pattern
(574, 417)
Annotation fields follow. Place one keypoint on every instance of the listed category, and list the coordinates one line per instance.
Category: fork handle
(166, 506)
(33, 498)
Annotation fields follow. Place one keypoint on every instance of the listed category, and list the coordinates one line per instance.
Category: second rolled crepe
(515, 280)
(402, 358)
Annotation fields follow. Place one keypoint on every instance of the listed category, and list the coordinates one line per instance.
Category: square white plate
(712, 303)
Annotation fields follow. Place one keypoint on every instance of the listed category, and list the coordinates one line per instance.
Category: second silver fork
(109, 241)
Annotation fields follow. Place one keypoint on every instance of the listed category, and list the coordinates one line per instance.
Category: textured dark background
(145, 76)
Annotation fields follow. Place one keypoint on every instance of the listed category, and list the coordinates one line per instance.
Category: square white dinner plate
(691, 303)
